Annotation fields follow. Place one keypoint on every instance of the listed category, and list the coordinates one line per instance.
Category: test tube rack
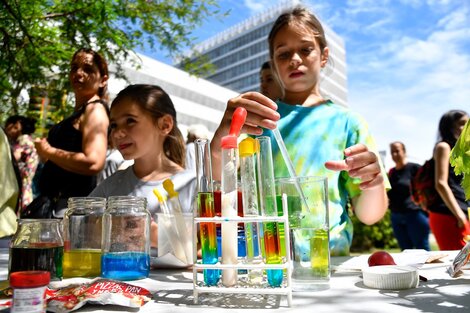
(285, 289)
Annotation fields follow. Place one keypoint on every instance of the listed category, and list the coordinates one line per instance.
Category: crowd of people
(84, 154)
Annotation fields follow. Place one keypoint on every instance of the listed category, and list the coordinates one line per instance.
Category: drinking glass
(309, 231)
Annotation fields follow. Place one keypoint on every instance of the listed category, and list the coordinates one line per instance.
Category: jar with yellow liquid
(82, 236)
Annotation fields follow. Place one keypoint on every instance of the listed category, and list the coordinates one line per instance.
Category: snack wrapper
(460, 260)
(98, 291)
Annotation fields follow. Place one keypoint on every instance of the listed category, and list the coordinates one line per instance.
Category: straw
(290, 166)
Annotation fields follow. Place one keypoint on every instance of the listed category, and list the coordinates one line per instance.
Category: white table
(172, 290)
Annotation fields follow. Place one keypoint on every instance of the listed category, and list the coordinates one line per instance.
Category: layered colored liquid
(82, 263)
(208, 235)
(272, 252)
(38, 257)
(125, 265)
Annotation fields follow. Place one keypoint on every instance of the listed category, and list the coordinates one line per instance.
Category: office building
(239, 51)
(196, 100)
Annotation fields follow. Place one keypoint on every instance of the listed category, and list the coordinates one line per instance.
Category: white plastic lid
(390, 277)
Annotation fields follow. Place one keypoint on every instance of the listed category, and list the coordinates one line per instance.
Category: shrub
(378, 236)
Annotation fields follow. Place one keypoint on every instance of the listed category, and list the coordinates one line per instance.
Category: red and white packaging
(98, 291)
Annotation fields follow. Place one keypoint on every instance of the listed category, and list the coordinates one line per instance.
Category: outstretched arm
(370, 206)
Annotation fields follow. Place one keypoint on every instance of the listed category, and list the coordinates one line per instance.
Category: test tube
(229, 209)
(205, 206)
(247, 150)
(267, 200)
(229, 151)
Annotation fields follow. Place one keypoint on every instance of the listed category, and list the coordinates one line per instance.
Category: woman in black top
(448, 216)
(410, 223)
(75, 149)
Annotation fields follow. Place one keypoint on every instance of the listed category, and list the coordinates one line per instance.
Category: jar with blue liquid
(126, 239)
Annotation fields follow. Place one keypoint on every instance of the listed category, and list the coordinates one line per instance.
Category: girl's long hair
(155, 101)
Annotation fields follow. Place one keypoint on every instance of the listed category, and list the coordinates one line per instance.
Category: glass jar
(37, 245)
(126, 239)
(82, 236)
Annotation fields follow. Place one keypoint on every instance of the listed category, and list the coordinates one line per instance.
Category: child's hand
(361, 163)
(261, 112)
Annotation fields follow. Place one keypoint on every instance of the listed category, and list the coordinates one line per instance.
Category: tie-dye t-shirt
(314, 135)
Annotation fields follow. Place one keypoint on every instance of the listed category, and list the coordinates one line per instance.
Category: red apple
(380, 258)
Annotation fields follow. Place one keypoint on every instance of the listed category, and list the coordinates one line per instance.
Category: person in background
(9, 192)
(448, 215)
(196, 131)
(269, 84)
(19, 129)
(322, 138)
(75, 149)
(410, 223)
(144, 128)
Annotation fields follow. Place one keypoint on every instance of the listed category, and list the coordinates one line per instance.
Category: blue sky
(408, 61)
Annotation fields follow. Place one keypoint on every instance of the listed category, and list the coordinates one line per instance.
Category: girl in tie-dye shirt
(322, 138)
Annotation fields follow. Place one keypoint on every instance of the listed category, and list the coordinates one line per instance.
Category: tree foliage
(380, 235)
(39, 37)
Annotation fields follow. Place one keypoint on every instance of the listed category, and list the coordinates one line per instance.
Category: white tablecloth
(172, 290)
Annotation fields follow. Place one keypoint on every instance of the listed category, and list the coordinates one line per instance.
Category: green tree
(377, 236)
(38, 38)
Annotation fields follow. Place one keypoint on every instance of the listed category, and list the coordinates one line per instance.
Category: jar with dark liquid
(82, 236)
(37, 246)
(126, 239)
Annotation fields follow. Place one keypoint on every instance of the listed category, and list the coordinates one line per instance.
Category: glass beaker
(82, 236)
(126, 239)
(309, 231)
(37, 245)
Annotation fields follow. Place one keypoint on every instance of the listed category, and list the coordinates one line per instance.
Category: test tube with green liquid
(205, 206)
(267, 201)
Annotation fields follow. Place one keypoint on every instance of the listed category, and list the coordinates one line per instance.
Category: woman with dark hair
(19, 129)
(448, 216)
(75, 149)
(409, 222)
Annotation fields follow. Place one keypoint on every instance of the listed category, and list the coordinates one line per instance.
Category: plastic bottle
(29, 291)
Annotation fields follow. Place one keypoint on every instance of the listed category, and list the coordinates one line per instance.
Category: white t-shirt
(125, 183)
